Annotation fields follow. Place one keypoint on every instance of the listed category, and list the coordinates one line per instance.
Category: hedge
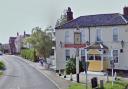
(28, 54)
(71, 66)
(2, 65)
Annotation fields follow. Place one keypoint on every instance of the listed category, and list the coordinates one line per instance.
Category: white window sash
(98, 35)
(115, 34)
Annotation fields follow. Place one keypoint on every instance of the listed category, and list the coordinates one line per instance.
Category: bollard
(71, 77)
(107, 78)
(101, 84)
(115, 76)
(59, 73)
(64, 74)
(94, 82)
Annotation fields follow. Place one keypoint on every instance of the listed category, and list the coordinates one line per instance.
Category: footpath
(52, 76)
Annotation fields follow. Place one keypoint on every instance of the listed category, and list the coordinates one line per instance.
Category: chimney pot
(125, 10)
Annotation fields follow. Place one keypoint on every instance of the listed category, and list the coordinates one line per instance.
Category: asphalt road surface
(20, 75)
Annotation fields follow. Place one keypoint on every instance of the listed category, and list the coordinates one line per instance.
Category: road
(20, 75)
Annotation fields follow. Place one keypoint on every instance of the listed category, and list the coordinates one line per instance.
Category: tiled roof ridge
(114, 16)
(100, 14)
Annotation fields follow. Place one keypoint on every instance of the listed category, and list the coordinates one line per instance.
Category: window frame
(67, 37)
(98, 35)
(89, 57)
(67, 51)
(116, 55)
(117, 34)
(83, 55)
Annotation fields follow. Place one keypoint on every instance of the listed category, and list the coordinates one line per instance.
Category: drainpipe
(89, 34)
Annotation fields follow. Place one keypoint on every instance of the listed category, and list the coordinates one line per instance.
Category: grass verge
(119, 84)
(2, 65)
(1, 73)
(78, 86)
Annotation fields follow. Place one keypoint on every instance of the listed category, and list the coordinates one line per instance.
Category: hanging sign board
(77, 38)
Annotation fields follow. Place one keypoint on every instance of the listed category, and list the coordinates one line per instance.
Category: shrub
(2, 65)
(71, 66)
(28, 54)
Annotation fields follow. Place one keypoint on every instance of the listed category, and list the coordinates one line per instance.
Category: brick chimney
(125, 10)
(69, 14)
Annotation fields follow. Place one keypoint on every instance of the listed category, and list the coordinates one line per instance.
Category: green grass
(117, 85)
(77, 86)
(1, 73)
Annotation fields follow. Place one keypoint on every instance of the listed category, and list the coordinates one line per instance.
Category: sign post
(77, 41)
(85, 66)
(77, 64)
(112, 66)
(86, 70)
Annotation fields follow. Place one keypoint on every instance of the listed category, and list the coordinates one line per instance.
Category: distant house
(100, 38)
(19, 42)
(12, 45)
(51, 33)
(6, 48)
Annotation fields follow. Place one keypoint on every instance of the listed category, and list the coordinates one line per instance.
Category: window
(67, 35)
(97, 57)
(83, 55)
(90, 57)
(115, 34)
(98, 35)
(67, 53)
(115, 56)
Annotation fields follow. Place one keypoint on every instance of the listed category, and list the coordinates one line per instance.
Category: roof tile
(95, 20)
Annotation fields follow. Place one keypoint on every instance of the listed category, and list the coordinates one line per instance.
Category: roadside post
(77, 42)
(112, 66)
(77, 64)
(86, 70)
(85, 66)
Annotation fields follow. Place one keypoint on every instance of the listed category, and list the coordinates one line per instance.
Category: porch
(97, 57)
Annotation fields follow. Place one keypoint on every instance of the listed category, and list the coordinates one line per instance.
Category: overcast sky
(23, 15)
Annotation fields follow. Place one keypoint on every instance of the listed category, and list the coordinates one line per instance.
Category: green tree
(62, 19)
(41, 42)
(50, 31)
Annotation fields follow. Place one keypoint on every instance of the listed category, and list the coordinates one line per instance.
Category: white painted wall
(107, 36)
(19, 43)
